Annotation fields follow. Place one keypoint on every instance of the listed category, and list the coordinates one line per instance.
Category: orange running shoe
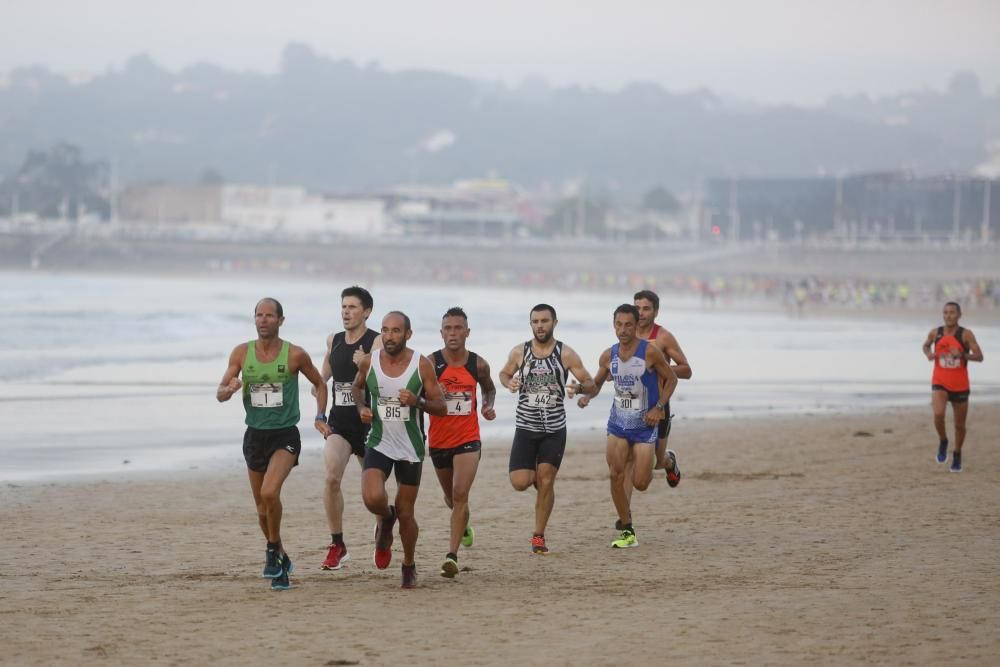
(538, 545)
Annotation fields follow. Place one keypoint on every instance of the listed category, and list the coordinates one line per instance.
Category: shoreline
(788, 541)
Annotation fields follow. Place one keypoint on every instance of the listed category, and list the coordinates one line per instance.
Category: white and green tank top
(395, 429)
(270, 390)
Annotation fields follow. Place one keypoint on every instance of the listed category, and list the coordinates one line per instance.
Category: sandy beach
(804, 540)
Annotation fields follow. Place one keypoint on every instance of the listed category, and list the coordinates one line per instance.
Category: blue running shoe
(956, 462)
(272, 564)
(281, 583)
(942, 454)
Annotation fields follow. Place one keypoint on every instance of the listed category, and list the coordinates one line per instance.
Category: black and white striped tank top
(543, 386)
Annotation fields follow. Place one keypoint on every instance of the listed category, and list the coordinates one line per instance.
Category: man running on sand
(454, 438)
(271, 444)
(402, 384)
(951, 348)
(536, 371)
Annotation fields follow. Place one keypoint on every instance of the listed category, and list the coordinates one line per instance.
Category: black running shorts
(407, 472)
(531, 448)
(260, 444)
(953, 396)
(354, 435)
(443, 458)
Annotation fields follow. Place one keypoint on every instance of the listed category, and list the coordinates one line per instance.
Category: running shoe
(409, 576)
(286, 564)
(674, 471)
(626, 541)
(468, 537)
(383, 540)
(281, 583)
(272, 564)
(538, 545)
(956, 462)
(336, 556)
(942, 454)
(449, 568)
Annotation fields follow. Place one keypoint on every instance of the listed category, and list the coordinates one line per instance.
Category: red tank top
(461, 424)
(950, 365)
(653, 331)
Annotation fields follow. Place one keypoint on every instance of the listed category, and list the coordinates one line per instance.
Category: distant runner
(951, 348)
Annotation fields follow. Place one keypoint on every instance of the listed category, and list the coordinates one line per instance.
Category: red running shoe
(383, 540)
(674, 471)
(336, 556)
(538, 545)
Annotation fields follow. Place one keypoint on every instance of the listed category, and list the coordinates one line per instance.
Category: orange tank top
(951, 368)
(461, 424)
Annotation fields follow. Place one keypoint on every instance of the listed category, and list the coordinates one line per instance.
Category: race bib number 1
(342, 395)
(391, 410)
(266, 395)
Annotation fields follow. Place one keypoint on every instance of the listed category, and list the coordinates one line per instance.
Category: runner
(648, 303)
(951, 348)
(402, 384)
(537, 371)
(643, 383)
(271, 444)
(454, 439)
(343, 352)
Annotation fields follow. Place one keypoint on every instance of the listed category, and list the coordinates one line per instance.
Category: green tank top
(270, 391)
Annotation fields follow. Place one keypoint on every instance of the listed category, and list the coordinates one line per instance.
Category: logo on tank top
(281, 369)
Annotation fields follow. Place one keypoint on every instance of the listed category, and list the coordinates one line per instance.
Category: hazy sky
(770, 50)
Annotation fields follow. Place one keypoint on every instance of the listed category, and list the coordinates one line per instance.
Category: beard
(543, 337)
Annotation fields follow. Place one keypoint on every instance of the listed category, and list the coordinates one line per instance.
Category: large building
(883, 206)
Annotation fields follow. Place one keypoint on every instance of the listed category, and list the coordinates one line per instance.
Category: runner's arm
(670, 347)
(299, 359)
(231, 382)
(668, 378)
(326, 371)
(510, 369)
(975, 352)
(432, 402)
(927, 345)
(603, 371)
(489, 389)
(575, 366)
(358, 389)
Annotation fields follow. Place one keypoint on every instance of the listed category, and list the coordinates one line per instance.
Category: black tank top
(344, 412)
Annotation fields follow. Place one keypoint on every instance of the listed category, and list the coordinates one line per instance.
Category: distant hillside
(333, 125)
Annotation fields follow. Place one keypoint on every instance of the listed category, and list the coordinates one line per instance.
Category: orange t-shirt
(461, 424)
(951, 368)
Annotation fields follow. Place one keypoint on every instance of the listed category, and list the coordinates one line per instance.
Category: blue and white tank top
(637, 389)
(543, 387)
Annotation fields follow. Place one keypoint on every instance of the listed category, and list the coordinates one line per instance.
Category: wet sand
(805, 540)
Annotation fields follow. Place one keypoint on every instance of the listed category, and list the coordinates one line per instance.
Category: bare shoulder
(665, 339)
(482, 365)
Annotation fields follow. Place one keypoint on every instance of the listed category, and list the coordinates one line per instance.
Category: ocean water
(112, 374)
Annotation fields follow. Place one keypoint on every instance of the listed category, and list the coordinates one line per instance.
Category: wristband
(320, 418)
(421, 402)
(660, 406)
